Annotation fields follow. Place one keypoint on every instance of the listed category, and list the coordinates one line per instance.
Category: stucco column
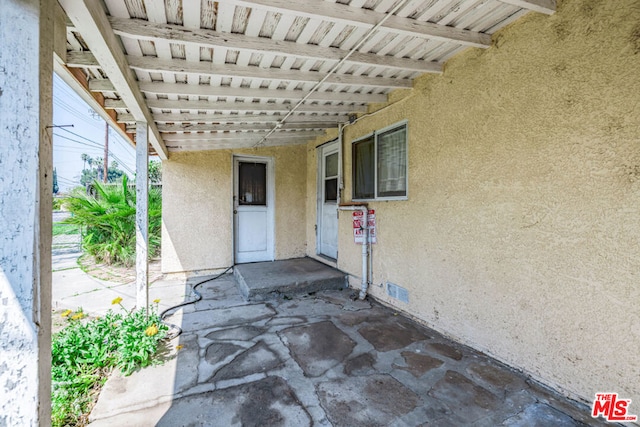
(26, 68)
(142, 215)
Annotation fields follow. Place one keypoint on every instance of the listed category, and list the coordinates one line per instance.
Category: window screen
(380, 165)
(392, 163)
(331, 178)
(252, 184)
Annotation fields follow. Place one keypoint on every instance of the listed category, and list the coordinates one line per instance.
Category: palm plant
(108, 220)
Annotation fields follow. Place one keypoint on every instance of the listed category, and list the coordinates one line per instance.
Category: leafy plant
(84, 353)
(109, 221)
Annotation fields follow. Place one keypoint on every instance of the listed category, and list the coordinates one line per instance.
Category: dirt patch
(115, 273)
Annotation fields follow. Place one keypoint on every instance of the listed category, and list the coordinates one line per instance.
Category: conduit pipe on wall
(365, 245)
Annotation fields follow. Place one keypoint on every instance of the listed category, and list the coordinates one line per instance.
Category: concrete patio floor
(319, 359)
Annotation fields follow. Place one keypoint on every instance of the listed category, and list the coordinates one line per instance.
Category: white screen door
(253, 209)
(328, 200)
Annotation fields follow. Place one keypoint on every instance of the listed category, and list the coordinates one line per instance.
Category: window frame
(375, 135)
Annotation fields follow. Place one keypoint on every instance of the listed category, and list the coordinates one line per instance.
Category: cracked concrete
(324, 360)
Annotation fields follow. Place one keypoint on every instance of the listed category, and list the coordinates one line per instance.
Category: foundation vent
(397, 292)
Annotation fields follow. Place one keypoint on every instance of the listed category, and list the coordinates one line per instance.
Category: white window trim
(375, 163)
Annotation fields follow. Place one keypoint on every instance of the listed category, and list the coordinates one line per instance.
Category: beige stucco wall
(521, 233)
(197, 228)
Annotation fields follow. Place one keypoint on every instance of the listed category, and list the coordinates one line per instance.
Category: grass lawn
(60, 229)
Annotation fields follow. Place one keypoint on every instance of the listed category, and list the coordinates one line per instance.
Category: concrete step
(265, 280)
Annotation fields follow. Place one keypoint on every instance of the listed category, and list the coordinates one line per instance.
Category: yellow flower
(77, 316)
(179, 347)
(157, 300)
(66, 313)
(116, 301)
(151, 330)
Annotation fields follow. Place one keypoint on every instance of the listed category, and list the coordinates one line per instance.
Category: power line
(80, 136)
(76, 141)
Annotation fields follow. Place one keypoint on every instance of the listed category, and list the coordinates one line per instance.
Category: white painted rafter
(234, 71)
(547, 7)
(144, 30)
(181, 118)
(91, 21)
(168, 104)
(279, 64)
(222, 136)
(264, 126)
(239, 92)
(337, 12)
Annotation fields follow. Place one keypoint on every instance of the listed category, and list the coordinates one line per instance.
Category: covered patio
(319, 359)
(491, 147)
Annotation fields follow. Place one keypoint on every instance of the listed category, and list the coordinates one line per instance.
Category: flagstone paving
(322, 360)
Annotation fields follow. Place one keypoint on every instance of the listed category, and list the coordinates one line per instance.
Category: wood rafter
(254, 135)
(90, 19)
(166, 104)
(337, 12)
(151, 64)
(98, 85)
(236, 118)
(144, 30)
(188, 127)
(226, 73)
(230, 144)
(547, 7)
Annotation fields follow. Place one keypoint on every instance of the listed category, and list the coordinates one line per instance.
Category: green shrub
(57, 203)
(109, 221)
(84, 352)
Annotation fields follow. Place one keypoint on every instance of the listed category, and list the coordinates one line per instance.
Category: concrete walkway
(322, 360)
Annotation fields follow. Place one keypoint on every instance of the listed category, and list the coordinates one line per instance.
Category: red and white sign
(611, 408)
(358, 226)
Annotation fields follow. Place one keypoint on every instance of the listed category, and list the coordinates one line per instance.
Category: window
(252, 184)
(380, 165)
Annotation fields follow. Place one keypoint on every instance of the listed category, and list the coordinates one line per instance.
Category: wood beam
(188, 127)
(236, 118)
(91, 21)
(157, 65)
(231, 144)
(242, 92)
(166, 104)
(337, 12)
(99, 85)
(547, 7)
(144, 30)
(77, 80)
(254, 135)
(83, 59)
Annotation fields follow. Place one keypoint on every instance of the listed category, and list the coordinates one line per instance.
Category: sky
(86, 136)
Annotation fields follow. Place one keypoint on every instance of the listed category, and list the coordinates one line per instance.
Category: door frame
(271, 202)
(320, 186)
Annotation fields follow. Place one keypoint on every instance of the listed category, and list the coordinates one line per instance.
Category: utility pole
(106, 152)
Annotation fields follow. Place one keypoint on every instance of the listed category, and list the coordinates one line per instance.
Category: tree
(109, 218)
(55, 181)
(96, 171)
(155, 172)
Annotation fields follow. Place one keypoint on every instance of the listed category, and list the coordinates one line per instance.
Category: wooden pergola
(235, 73)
